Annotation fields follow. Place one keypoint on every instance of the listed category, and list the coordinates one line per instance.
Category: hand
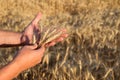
(28, 56)
(32, 28)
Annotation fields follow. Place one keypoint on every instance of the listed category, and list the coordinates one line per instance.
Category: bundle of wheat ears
(47, 34)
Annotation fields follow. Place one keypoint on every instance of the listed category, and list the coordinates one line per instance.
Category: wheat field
(92, 49)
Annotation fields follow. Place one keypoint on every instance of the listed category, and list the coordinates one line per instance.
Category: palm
(31, 29)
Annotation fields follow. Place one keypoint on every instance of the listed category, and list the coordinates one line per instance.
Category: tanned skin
(28, 56)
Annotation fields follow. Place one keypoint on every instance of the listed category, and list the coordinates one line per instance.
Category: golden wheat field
(92, 50)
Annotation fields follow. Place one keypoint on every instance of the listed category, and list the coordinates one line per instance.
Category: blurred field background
(92, 50)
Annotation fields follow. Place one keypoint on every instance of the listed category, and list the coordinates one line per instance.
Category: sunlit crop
(92, 49)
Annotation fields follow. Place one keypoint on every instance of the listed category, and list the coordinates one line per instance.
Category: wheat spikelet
(44, 35)
(47, 35)
(52, 33)
(49, 39)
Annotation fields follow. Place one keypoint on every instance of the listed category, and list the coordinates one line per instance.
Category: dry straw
(47, 35)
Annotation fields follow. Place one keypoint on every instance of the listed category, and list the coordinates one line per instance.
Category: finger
(41, 50)
(53, 42)
(63, 30)
(64, 35)
(50, 44)
(61, 38)
(32, 46)
(37, 18)
(36, 26)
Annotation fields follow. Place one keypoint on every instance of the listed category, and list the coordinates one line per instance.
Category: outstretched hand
(31, 55)
(32, 28)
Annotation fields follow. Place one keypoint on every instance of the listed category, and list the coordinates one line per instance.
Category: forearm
(9, 38)
(10, 71)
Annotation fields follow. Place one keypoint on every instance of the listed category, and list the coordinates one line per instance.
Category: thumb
(37, 18)
(41, 50)
(32, 46)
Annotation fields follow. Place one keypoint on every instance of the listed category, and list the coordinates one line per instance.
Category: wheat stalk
(48, 34)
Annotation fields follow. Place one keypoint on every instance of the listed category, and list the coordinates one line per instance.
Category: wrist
(16, 66)
(10, 71)
(19, 65)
